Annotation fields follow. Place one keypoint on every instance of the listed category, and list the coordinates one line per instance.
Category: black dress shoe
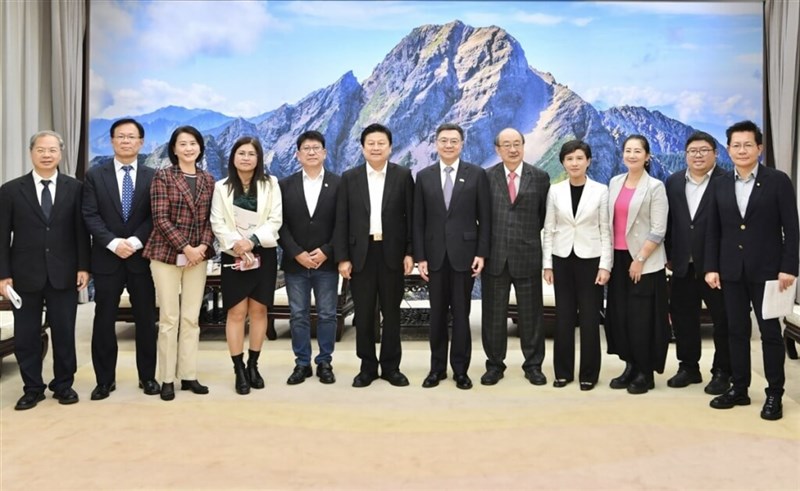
(150, 387)
(720, 383)
(462, 381)
(29, 400)
(195, 386)
(684, 378)
(325, 373)
(66, 396)
(433, 378)
(535, 376)
(241, 384)
(364, 379)
(624, 379)
(587, 385)
(255, 378)
(773, 408)
(491, 377)
(641, 384)
(102, 391)
(730, 399)
(167, 391)
(561, 382)
(299, 375)
(396, 378)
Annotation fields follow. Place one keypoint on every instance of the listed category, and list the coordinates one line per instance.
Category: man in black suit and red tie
(519, 202)
(116, 209)
(452, 215)
(689, 209)
(374, 250)
(44, 257)
(753, 238)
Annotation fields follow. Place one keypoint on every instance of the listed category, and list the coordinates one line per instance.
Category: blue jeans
(325, 285)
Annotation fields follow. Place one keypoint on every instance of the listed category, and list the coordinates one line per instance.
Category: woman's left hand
(635, 271)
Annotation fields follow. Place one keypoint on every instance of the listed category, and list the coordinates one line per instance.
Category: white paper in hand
(16, 300)
(777, 303)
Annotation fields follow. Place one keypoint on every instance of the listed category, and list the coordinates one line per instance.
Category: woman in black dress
(246, 214)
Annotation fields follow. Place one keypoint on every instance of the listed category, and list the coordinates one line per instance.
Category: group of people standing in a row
(723, 235)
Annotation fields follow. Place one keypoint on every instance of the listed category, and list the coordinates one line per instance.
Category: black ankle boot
(242, 384)
(256, 381)
(624, 379)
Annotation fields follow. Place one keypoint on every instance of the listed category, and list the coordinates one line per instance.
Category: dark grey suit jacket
(462, 231)
(301, 232)
(516, 228)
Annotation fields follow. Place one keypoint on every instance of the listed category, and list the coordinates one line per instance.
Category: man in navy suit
(752, 238)
(116, 209)
(44, 255)
(374, 250)
(689, 208)
(452, 215)
(306, 237)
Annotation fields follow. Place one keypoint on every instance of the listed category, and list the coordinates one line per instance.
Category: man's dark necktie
(47, 199)
(448, 186)
(127, 192)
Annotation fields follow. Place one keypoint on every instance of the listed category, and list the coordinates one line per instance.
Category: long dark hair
(234, 183)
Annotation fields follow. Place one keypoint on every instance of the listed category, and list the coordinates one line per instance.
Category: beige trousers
(180, 294)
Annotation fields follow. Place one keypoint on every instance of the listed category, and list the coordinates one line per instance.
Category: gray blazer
(647, 218)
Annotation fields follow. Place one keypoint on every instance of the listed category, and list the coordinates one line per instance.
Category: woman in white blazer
(246, 214)
(577, 259)
(637, 326)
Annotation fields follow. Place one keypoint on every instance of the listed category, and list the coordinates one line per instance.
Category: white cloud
(99, 95)
(112, 23)
(356, 15)
(178, 31)
(154, 94)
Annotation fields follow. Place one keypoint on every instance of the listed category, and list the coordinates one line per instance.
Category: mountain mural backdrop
(479, 78)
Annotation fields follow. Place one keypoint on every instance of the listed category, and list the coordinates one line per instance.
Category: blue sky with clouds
(699, 62)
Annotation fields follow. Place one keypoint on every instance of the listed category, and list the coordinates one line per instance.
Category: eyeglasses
(509, 146)
(312, 149)
(699, 151)
(126, 137)
(747, 146)
(448, 141)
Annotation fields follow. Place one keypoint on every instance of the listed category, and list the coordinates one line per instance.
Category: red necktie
(512, 189)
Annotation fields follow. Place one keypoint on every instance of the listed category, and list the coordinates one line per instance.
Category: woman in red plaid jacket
(178, 249)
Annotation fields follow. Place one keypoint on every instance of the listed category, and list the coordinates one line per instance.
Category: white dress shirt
(312, 186)
(517, 177)
(37, 181)
(120, 173)
(375, 180)
(696, 190)
(744, 188)
(453, 174)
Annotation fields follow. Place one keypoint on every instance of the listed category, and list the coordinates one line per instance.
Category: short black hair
(191, 130)
(376, 128)
(701, 136)
(573, 146)
(312, 135)
(450, 127)
(745, 126)
(122, 121)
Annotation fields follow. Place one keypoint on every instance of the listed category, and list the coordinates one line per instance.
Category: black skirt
(258, 284)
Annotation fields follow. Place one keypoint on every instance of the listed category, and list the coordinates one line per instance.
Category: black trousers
(450, 292)
(108, 289)
(578, 302)
(739, 295)
(377, 283)
(686, 296)
(494, 320)
(62, 307)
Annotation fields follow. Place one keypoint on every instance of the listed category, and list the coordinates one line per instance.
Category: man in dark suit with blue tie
(689, 209)
(306, 237)
(519, 202)
(452, 215)
(116, 208)
(374, 250)
(753, 238)
(44, 257)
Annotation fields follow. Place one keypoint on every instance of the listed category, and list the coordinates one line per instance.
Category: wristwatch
(255, 241)
(641, 259)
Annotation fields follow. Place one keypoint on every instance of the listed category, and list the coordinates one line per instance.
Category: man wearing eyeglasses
(44, 258)
(753, 237)
(116, 208)
(689, 209)
(374, 250)
(518, 194)
(306, 237)
(452, 214)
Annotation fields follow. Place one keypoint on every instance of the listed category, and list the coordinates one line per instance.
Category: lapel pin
(461, 180)
(326, 184)
(758, 184)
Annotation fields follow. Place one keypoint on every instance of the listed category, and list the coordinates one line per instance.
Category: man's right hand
(712, 279)
(124, 249)
(345, 269)
(3, 284)
(304, 260)
(422, 267)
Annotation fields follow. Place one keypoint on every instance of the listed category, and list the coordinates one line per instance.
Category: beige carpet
(313, 436)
